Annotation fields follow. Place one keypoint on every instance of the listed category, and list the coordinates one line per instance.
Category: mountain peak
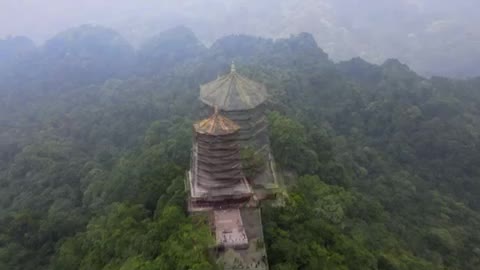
(172, 46)
(395, 63)
(178, 34)
(12, 47)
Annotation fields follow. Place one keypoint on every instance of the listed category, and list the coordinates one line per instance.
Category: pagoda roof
(216, 125)
(233, 92)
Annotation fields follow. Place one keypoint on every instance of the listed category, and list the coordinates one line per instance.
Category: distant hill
(433, 37)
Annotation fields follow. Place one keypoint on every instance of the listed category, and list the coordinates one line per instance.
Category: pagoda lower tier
(203, 197)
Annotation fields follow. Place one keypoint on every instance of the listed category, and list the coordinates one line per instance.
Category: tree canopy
(379, 163)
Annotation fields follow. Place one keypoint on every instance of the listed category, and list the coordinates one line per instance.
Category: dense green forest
(380, 164)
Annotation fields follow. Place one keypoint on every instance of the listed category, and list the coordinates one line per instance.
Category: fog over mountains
(434, 37)
(380, 164)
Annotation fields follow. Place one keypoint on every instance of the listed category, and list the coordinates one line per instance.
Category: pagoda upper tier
(233, 92)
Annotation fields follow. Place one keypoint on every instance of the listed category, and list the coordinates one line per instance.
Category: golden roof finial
(232, 67)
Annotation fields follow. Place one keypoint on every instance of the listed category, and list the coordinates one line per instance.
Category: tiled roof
(216, 125)
(233, 92)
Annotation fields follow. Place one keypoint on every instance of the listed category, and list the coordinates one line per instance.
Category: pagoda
(217, 184)
(243, 101)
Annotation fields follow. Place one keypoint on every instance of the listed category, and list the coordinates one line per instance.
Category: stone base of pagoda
(229, 229)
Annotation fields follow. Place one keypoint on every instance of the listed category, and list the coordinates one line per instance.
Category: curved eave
(216, 125)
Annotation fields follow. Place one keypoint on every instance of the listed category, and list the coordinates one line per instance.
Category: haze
(434, 37)
(219, 134)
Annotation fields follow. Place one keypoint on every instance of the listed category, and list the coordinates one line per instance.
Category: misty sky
(42, 19)
(422, 33)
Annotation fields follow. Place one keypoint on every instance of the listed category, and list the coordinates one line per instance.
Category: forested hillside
(380, 164)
